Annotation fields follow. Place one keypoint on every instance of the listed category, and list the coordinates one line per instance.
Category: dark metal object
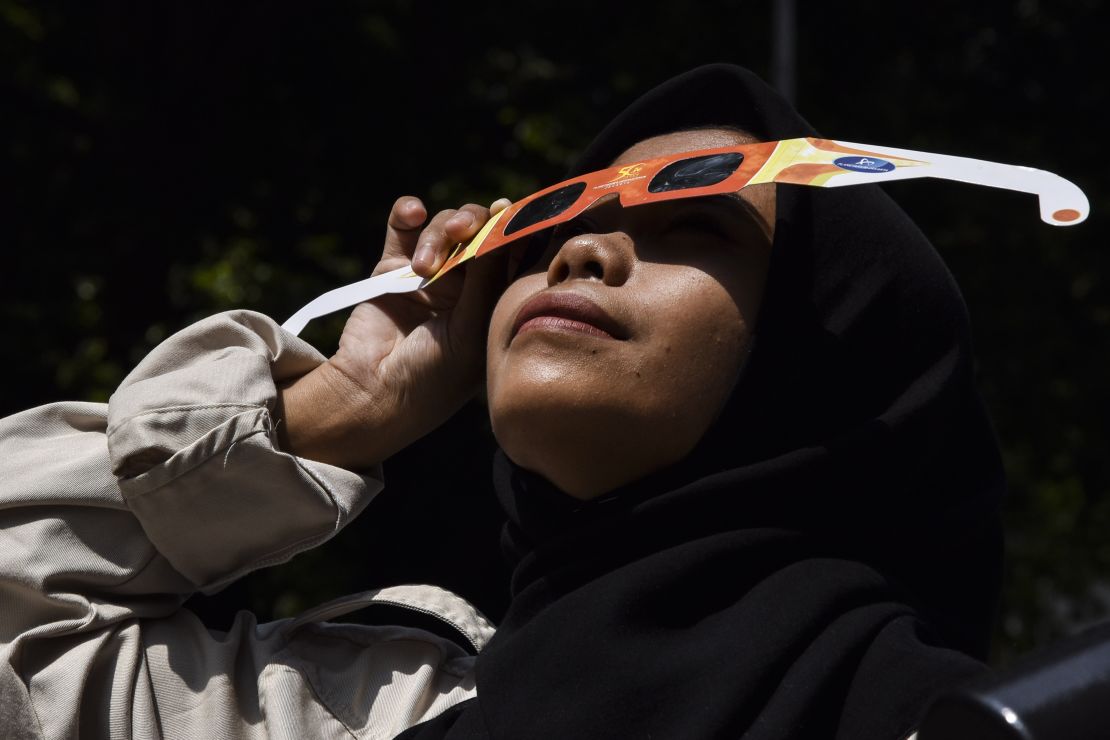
(1062, 693)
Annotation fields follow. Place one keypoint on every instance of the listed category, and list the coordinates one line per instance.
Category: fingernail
(499, 205)
(413, 209)
(424, 256)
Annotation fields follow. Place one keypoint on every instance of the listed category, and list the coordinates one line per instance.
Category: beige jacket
(111, 515)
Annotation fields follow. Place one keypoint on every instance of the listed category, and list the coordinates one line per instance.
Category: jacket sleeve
(117, 512)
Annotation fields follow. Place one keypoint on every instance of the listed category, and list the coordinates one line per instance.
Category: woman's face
(611, 358)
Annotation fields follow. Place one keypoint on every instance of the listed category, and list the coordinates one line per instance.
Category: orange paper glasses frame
(804, 161)
(711, 171)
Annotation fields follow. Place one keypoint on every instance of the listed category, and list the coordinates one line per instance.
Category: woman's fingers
(444, 231)
(428, 248)
(402, 230)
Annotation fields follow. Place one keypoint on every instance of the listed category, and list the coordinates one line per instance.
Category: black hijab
(826, 560)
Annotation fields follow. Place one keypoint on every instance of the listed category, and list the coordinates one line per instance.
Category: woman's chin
(585, 445)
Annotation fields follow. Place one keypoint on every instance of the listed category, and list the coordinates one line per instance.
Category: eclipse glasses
(822, 163)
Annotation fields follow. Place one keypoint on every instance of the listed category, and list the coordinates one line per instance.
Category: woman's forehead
(682, 141)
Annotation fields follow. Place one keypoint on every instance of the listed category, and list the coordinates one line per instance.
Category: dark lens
(696, 172)
(545, 207)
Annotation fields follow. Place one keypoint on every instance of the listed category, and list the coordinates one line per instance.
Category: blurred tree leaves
(162, 162)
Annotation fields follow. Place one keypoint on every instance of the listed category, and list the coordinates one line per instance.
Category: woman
(750, 492)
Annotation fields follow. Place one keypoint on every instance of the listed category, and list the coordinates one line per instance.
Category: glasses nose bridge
(606, 256)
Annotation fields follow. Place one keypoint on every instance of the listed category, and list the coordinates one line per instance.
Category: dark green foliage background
(163, 161)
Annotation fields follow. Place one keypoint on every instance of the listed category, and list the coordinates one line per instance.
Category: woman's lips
(566, 311)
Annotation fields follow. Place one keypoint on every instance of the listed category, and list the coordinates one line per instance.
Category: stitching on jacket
(231, 447)
(109, 429)
(341, 516)
(194, 465)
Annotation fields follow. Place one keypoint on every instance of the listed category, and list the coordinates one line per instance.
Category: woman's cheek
(701, 342)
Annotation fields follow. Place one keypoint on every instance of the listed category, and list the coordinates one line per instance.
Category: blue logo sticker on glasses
(869, 165)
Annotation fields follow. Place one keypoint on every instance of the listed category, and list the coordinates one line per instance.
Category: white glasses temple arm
(401, 280)
(1062, 203)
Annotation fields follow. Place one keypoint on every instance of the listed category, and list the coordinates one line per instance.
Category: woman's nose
(607, 257)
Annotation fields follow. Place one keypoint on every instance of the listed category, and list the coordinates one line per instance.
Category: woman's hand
(406, 362)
